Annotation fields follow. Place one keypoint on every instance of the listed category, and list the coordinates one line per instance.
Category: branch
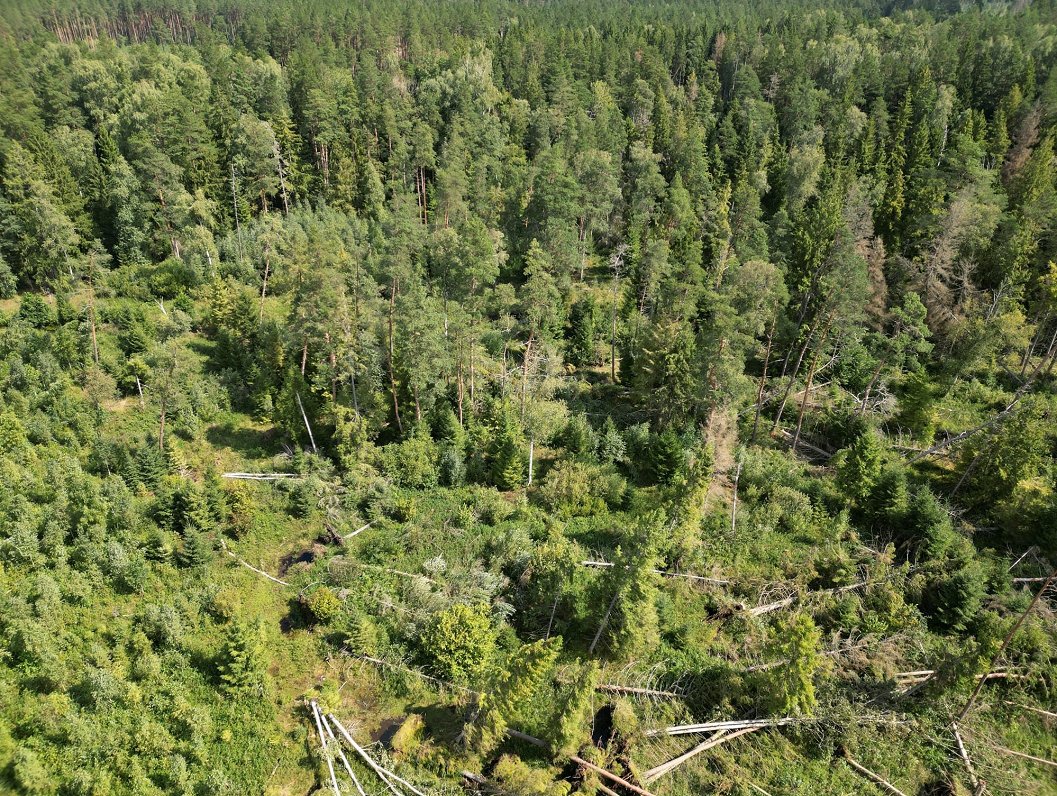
(1034, 759)
(360, 530)
(1040, 711)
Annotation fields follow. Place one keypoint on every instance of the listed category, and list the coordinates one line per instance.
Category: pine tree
(507, 694)
(508, 452)
(241, 664)
(794, 683)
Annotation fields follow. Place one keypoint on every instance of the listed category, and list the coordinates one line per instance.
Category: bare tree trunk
(264, 283)
(91, 320)
(161, 424)
(763, 377)
(524, 371)
(883, 784)
(795, 373)
(873, 381)
(304, 416)
(1026, 359)
(605, 623)
(807, 388)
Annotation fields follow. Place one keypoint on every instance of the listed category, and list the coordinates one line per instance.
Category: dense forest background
(615, 366)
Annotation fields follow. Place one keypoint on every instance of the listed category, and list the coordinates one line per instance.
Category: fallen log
(260, 572)
(1005, 643)
(359, 530)
(662, 573)
(974, 780)
(879, 781)
(609, 688)
(382, 772)
(403, 668)
(476, 779)
(721, 737)
(335, 537)
(715, 726)
(609, 775)
(259, 476)
(323, 749)
(581, 762)
(340, 752)
(760, 610)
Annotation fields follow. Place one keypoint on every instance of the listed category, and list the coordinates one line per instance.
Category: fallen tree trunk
(609, 688)
(1040, 711)
(721, 737)
(340, 751)
(662, 573)
(259, 476)
(323, 749)
(1005, 643)
(260, 572)
(880, 782)
(581, 762)
(359, 530)
(760, 610)
(714, 726)
(383, 773)
(335, 537)
(974, 780)
(609, 775)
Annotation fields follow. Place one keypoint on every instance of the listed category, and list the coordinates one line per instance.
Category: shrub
(324, 604)
(460, 642)
(578, 489)
(413, 462)
(35, 311)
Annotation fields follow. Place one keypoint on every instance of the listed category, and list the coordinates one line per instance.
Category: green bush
(323, 604)
(459, 643)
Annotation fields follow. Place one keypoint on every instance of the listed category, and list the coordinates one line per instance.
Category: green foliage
(755, 265)
(324, 604)
(506, 694)
(793, 683)
(459, 643)
(508, 452)
(574, 488)
(241, 663)
(413, 462)
(860, 469)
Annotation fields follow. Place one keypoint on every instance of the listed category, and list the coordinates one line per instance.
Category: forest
(528, 397)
